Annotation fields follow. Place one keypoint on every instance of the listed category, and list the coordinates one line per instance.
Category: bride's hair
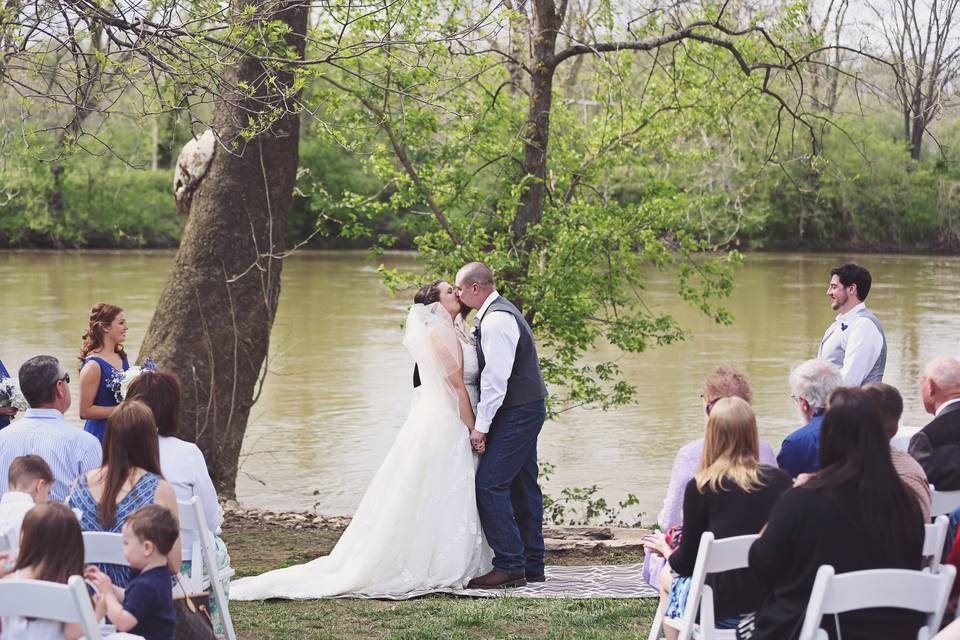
(428, 294)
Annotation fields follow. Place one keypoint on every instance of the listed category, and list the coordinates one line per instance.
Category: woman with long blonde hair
(730, 495)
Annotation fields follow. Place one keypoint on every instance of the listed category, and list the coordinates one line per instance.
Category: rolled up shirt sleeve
(863, 349)
(498, 338)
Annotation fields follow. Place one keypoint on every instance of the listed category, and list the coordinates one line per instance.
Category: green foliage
(582, 505)
(120, 207)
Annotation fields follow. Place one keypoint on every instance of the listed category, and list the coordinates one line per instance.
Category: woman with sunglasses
(722, 382)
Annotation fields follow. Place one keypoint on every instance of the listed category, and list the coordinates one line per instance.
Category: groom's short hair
(477, 272)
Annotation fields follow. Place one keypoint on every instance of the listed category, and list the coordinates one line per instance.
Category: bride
(417, 526)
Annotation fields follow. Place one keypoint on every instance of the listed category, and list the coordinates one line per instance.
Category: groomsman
(855, 342)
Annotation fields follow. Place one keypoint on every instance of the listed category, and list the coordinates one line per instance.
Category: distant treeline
(864, 193)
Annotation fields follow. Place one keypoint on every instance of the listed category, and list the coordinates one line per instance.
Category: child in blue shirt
(149, 534)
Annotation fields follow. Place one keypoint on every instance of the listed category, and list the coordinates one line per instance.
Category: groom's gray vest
(525, 383)
(876, 372)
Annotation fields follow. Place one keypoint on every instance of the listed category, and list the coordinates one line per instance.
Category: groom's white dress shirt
(498, 339)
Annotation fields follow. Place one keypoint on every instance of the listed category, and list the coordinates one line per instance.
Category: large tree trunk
(213, 320)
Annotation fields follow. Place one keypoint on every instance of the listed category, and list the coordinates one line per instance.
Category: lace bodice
(471, 373)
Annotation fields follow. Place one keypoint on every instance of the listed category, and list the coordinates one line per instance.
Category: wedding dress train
(417, 526)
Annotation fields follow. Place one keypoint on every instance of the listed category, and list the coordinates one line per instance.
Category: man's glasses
(65, 378)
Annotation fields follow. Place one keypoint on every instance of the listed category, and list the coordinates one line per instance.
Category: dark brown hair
(101, 316)
(155, 523)
(890, 403)
(131, 443)
(31, 467)
(855, 452)
(51, 543)
(159, 390)
(428, 294)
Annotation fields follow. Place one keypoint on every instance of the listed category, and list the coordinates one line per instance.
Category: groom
(509, 418)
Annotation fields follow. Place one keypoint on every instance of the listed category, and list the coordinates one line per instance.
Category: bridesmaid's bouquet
(120, 380)
(10, 395)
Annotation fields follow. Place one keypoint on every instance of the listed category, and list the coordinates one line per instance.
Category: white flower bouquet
(10, 395)
(120, 380)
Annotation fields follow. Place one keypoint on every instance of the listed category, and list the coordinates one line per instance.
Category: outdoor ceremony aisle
(591, 592)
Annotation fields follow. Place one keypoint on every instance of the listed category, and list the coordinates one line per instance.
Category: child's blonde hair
(731, 447)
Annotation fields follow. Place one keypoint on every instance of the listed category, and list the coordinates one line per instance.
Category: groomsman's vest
(526, 382)
(837, 354)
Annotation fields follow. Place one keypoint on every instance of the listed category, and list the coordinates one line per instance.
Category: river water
(339, 383)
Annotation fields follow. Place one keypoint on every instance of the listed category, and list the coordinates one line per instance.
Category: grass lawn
(256, 550)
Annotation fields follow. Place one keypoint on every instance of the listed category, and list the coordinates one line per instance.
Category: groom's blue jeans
(508, 496)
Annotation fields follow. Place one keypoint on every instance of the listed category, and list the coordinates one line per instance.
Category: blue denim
(508, 496)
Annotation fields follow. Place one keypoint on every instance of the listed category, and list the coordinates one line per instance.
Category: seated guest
(730, 495)
(145, 607)
(29, 481)
(183, 465)
(129, 478)
(43, 431)
(810, 385)
(723, 382)
(51, 549)
(937, 446)
(854, 513)
(890, 403)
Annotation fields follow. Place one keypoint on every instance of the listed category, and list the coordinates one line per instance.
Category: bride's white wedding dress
(417, 525)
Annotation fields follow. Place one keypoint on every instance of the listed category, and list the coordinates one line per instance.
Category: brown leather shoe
(497, 579)
(539, 577)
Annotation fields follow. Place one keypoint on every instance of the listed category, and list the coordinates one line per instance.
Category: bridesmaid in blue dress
(6, 413)
(102, 355)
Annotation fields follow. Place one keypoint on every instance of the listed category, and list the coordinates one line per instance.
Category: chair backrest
(6, 540)
(897, 588)
(191, 518)
(50, 601)
(943, 502)
(713, 556)
(103, 548)
(934, 539)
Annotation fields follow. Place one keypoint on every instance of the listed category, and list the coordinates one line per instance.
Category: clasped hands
(478, 441)
(656, 542)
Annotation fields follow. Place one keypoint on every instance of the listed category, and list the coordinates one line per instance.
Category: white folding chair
(713, 556)
(896, 588)
(67, 603)
(934, 539)
(943, 502)
(203, 556)
(103, 548)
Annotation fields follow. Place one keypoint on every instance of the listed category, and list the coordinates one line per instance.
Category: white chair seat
(898, 588)
(67, 603)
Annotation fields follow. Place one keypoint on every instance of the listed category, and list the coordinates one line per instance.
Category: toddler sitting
(145, 607)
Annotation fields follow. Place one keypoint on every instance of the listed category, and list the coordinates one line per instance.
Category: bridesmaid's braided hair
(101, 316)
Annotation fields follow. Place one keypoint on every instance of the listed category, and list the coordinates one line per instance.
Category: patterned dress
(143, 493)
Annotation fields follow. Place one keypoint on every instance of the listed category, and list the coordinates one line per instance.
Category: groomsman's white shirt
(861, 342)
(498, 339)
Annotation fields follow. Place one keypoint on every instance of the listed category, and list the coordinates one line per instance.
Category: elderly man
(43, 431)
(937, 446)
(811, 383)
(890, 403)
(855, 342)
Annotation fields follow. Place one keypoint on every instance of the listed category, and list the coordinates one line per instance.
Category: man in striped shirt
(43, 431)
